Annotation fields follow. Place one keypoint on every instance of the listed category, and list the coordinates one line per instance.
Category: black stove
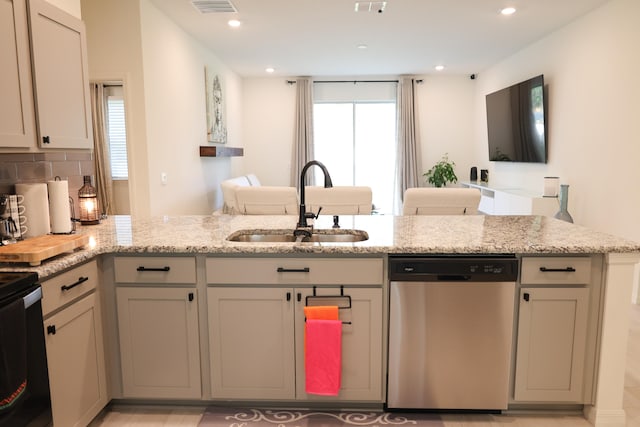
(13, 282)
(32, 406)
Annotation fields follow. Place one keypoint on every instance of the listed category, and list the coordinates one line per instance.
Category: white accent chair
(229, 187)
(341, 200)
(441, 201)
(267, 200)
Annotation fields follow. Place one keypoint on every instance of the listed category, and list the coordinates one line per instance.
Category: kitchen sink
(286, 236)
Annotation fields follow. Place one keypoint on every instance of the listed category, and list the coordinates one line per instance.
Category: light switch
(163, 178)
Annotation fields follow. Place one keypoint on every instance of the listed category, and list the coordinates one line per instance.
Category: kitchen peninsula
(208, 270)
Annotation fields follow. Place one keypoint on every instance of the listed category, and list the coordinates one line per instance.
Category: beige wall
(72, 7)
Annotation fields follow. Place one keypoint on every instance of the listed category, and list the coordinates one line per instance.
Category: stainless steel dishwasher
(450, 332)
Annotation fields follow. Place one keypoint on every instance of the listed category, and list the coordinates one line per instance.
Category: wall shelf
(217, 151)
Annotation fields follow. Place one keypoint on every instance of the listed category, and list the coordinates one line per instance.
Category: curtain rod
(355, 81)
(291, 82)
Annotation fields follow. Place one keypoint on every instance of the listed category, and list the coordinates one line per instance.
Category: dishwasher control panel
(453, 268)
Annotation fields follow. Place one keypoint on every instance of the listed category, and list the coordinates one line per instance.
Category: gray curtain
(303, 144)
(101, 150)
(407, 167)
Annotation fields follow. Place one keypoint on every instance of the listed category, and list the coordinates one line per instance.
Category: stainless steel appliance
(33, 406)
(450, 332)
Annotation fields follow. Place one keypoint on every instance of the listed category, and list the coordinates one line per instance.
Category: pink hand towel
(323, 356)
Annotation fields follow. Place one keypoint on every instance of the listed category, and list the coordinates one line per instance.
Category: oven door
(33, 408)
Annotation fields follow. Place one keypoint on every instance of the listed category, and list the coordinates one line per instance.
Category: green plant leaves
(441, 173)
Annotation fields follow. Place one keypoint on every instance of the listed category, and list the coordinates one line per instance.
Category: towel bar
(347, 301)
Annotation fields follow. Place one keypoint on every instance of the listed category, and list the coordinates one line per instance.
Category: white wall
(163, 72)
(590, 69)
(115, 53)
(269, 117)
(445, 112)
(174, 76)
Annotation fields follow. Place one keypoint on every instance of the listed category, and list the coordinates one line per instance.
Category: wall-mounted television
(516, 118)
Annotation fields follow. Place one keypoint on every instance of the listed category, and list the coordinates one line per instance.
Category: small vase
(563, 213)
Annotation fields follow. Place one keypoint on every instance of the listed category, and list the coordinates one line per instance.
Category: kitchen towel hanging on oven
(323, 350)
(13, 354)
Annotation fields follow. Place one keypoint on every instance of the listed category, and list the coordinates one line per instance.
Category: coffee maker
(8, 227)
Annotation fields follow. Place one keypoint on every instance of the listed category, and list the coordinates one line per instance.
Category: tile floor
(139, 416)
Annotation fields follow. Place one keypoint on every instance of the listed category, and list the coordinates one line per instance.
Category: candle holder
(88, 203)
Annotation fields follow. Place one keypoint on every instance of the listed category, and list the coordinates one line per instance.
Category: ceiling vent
(370, 6)
(213, 6)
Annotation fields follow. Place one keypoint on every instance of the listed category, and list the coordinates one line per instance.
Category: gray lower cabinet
(554, 338)
(75, 348)
(157, 312)
(251, 343)
(256, 340)
(256, 329)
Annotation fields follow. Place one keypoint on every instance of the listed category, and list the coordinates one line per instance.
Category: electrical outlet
(163, 178)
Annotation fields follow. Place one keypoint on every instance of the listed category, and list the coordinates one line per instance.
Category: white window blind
(117, 136)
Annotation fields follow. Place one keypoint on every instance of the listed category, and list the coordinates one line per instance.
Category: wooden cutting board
(36, 249)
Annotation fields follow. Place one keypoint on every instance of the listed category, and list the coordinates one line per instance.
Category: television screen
(516, 123)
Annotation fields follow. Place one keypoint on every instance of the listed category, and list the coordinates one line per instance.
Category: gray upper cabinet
(44, 90)
(60, 77)
(17, 124)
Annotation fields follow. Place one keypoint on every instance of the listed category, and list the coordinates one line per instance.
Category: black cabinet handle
(288, 296)
(293, 270)
(526, 296)
(80, 281)
(191, 296)
(565, 270)
(299, 297)
(46, 139)
(51, 329)
(143, 268)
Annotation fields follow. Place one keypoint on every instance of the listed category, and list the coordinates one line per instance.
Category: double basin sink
(287, 236)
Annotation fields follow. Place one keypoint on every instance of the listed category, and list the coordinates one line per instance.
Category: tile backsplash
(42, 167)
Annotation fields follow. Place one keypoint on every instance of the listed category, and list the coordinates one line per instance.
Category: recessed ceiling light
(362, 46)
(508, 11)
(439, 67)
(270, 69)
(234, 23)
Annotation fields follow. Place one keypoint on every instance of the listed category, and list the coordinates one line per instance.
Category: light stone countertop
(474, 234)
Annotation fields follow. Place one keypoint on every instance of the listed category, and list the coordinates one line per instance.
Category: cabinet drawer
(68, 286)
(155, 269)
(556, 271)
(298, 271)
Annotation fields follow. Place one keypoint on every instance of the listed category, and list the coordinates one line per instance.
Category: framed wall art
(216, 127)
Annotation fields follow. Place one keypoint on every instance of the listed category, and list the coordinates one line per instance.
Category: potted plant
(441, 173)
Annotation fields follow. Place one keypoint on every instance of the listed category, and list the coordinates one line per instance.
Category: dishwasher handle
(453, 278)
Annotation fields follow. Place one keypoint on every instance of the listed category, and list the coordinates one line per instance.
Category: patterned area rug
(250, 417)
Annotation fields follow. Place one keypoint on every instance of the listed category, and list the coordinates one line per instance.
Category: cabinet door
(159, 346)
(75, 357)
(17, 125)
(552, 331)
(60, 75)
(361, 344)
(251, 342)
